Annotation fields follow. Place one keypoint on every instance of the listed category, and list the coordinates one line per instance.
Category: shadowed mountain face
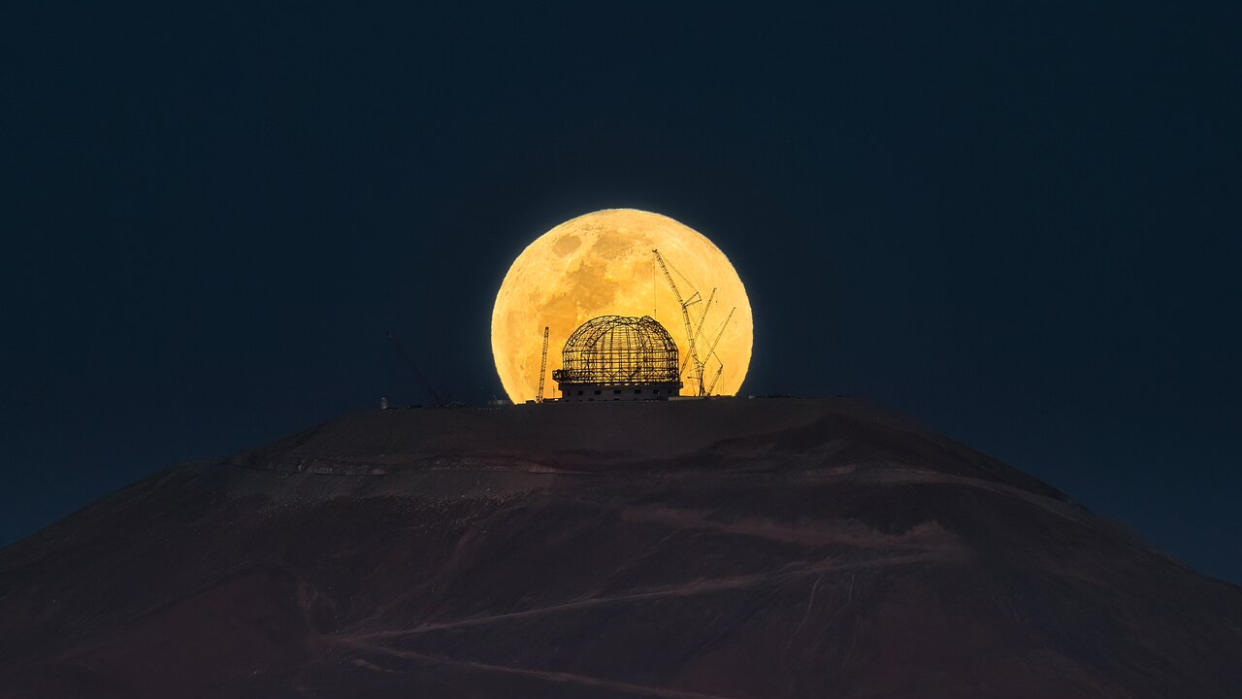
(730, 548)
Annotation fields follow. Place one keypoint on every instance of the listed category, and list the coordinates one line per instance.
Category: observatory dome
(619, 358)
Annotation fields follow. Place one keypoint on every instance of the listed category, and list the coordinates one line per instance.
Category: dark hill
(731, 548)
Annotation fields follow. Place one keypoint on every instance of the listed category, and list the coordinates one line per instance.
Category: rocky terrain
(724, 548)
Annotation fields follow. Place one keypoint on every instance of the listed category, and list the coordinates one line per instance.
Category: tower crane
(543, 365)
(696, 363)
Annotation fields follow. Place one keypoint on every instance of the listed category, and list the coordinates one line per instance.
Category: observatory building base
(596, 392)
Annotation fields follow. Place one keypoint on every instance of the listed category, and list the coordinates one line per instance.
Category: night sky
(1018, 222)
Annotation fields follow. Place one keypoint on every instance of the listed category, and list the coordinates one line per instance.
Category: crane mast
(697, 365)
(543, 365)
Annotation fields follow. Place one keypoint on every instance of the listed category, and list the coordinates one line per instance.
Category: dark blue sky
(1018, 222)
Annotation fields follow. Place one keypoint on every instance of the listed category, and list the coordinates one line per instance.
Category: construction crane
(696, 363)
(543, 365)
(698, 331)
(435, 397)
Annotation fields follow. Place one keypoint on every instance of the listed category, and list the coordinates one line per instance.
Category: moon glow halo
(601, 263)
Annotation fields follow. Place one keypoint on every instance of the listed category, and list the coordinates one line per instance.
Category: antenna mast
(543, 365)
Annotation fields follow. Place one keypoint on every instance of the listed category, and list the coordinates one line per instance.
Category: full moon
(602, 263)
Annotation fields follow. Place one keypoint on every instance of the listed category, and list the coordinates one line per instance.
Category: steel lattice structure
(619, 351)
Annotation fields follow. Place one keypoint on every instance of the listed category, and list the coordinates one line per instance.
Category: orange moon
(601, 263)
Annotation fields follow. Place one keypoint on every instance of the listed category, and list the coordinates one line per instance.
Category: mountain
(724, 548)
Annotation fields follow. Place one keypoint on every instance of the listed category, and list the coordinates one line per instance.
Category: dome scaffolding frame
(619, 351)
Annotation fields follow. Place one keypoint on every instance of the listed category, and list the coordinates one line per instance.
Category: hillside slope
(728, 548)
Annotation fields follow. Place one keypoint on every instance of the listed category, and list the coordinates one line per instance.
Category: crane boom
(543, 365)
(417, 374)
(711, 352)
(719, 370)
(697, 365)
(707, 307)
(720, 334)
(698, 331)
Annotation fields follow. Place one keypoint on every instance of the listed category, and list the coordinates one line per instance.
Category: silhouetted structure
(619, 358)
